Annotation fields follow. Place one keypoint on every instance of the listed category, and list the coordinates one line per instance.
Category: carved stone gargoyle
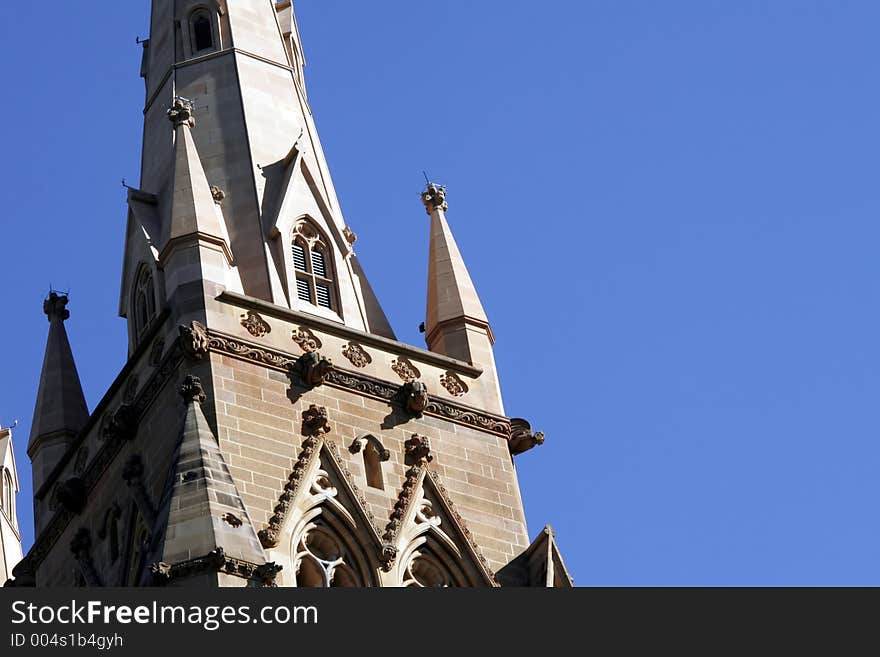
(122, 424)
(522, 439)
(313, 368)
(72, 494)
(414, 395)
(267, 573)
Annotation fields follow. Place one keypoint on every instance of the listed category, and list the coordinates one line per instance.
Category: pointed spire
(201, 508)
(60, 412)
(454, 309)
(195, 205)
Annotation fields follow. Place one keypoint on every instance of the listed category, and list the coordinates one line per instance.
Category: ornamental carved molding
(357, 355)
(414, 396)
(271, 535)
(522, 438)
(255, 324)
(453, 384)
(404, 368)
(280, 361)
(216, 561)
(306, 340)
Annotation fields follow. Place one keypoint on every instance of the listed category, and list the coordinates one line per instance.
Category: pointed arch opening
(201, 31)
(143, 301)
(313, 270)
(373, 467)
(7, 499)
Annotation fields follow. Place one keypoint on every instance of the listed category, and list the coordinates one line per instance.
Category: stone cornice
(361, 383)
(342, 331)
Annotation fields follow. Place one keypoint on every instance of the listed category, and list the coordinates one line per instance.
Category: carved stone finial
(181, 112)
(192, 391)
(434, 197)
(418, 448)
(55, 307)
(218, 194)
(315, 421)
(522, 439)
(415, 397)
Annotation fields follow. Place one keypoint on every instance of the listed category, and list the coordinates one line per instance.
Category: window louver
(302, 290)
(299, 257)
(323, 295)
(319, 266)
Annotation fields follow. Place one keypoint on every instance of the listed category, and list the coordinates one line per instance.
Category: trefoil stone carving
(405, 369)
(357, 355)
(453, 384)
(255, 324)
(306, 340)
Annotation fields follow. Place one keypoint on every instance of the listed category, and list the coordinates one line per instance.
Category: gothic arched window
(201, 30)
(144, 302)
(8, 494)
(313, 267)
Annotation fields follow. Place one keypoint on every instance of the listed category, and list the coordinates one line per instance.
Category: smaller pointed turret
(60, 412)
(456, 324)
(201, 510)
(194, 220)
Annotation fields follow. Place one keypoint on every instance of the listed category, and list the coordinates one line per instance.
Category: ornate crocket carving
(415, 397)
(315, 421)
(306, 340)
(194, 340)
(313, 368)
(434, 197)
(181, 112)
(255, 325)
(522, 439)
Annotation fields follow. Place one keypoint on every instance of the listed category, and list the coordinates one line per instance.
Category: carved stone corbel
(522, 439)
(313, 368)
(267, 573)
(414, 396)
(194, 340)
(81, 547)
(133, 475)
(72, 495)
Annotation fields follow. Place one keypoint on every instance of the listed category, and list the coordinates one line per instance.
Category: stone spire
(60, 412)
(201, 510)
(195, 220)
(456, 324)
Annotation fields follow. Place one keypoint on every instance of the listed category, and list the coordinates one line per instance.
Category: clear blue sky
(669, 209)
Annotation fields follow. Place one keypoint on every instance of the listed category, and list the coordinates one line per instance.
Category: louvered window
(299, 257)
(313, 267)
(323, 295)
(302, 290)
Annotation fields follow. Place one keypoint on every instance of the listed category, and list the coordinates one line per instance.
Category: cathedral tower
(268, 427)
